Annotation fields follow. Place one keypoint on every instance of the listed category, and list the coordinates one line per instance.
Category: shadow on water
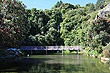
(18, 65)
(38, 65)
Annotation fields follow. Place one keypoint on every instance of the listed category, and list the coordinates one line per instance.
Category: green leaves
(100, 32)
(92, 8)
(14, 23)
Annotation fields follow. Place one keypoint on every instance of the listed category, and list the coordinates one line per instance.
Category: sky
(48, 4)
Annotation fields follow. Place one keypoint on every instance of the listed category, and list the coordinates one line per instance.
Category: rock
(105, 11)
(102, 58)
(105, 60)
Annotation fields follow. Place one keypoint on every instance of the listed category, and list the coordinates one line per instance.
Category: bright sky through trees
(48, 4)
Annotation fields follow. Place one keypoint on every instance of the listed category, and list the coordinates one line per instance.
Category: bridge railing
(50, 48)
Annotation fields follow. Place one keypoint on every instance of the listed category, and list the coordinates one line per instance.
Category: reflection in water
(57, 68)
(56, 64)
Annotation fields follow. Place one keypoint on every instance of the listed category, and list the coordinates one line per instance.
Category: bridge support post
(46, 51)
(62, 52)
(31, 52)
(77, 52)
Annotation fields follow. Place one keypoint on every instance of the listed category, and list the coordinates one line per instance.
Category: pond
(56, 64)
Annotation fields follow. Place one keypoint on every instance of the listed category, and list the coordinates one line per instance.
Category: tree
(59, 3)
(92, 8)
(13, 25)
(100, 31)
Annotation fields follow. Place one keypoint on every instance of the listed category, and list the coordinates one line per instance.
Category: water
(56, 64)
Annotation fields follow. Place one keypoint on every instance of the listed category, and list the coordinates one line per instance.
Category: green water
(56, 64)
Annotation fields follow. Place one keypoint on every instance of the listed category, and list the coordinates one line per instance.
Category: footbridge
(46, 48)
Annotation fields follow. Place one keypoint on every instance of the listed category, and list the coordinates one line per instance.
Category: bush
(95, 53)
(66, 51)
(86, 51)
(73, 52)
(91, 52)
(106, 53)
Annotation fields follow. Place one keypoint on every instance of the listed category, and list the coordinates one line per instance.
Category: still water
(56, 64)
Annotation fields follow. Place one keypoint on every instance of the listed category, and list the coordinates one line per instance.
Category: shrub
(67, 51)
(95, 53)
(91, 52)
(73, 52)
(86, 51)
(88, 48)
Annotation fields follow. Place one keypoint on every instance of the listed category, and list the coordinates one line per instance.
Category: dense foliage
(13, 26)
(64, 24)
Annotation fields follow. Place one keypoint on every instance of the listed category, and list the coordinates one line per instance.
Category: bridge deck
(50, 48)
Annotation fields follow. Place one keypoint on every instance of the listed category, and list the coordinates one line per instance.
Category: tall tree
(13, 25)
(92, 8)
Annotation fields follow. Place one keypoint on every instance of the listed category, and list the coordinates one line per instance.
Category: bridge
(46, 48)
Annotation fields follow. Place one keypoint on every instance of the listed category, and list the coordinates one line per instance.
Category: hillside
(64, 24)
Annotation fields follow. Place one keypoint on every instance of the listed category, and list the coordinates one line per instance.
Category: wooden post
(77, 52)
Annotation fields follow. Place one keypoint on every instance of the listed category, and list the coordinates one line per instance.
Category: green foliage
(94, 14)
(76, 26)
(88, 4)
(64, 24)
(95, 53)
(44, 26)
(13, 26)
(59, 3)
(92, 8)
(99, 32)
(66, 52)
(86, 50)
(106, 4)
(63, 11)
(73, 52)
(91, 52)
(100, 4)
